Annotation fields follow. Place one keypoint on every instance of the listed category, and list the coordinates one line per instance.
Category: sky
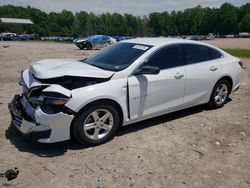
(135, 7)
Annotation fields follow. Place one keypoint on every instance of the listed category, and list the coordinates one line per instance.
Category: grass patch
(238, 52)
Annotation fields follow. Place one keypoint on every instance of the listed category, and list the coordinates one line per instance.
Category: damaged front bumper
(38, 125)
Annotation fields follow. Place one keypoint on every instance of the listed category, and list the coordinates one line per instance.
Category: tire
(219, 94)
(88, 46)
(96, 124)
(80, 46)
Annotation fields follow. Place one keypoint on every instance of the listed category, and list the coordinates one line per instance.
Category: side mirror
(147, 69)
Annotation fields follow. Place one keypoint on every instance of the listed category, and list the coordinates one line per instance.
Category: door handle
(178, 75)
(213, 68)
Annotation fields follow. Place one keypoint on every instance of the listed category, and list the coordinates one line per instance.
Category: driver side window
(167, 57)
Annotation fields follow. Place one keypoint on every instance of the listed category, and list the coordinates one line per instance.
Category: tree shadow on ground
(58, 149)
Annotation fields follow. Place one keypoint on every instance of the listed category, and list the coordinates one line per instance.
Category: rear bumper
(236, 80)
(236, 88)
(37, 125)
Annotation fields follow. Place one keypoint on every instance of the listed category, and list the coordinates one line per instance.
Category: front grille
(23, 84)
(17, 120)
(15, 110)
(28, 110)
(25, 90)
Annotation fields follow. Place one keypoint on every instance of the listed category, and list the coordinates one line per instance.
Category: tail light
(242, 65)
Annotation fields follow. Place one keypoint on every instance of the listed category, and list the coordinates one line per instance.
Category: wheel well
(98, 102)
(229, 79)
(89, 43)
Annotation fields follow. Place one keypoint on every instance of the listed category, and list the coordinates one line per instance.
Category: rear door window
(194, 53)
(214, 54)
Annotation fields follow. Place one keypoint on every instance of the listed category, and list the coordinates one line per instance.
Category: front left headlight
(56, 100)
(49, 100)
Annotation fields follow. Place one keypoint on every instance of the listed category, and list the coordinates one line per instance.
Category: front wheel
(97, 124)
(219, 94)
(80, 46)
(89, 46)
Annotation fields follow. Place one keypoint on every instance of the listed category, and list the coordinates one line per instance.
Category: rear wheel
(97, 124)
(219, 94)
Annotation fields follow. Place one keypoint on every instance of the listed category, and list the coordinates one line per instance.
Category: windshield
(117, 56)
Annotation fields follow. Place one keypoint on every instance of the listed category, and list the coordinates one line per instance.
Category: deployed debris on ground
(10, 174)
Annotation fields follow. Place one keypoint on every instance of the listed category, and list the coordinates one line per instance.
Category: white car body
(139, 97)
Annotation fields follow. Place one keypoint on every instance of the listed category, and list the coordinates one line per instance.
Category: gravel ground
(196, 147)
(242, 43)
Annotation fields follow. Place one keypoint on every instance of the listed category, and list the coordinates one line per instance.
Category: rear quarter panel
(231, 68)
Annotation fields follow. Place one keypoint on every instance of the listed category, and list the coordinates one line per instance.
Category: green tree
(208, 23)
(227, 19)
(80, 23)
(245, 24)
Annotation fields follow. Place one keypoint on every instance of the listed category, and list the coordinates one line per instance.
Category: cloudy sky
(136, 7)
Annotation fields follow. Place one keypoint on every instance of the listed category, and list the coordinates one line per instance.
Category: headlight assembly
(49, 100)
(56, 100)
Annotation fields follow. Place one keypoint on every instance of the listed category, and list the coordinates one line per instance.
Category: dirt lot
(243, 43)
(196, 147)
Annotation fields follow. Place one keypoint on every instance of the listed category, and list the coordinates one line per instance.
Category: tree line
(226, 19)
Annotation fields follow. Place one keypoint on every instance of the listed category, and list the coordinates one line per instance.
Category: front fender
(115, 90)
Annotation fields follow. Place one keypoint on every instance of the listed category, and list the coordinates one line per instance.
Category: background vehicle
(7, 36)
(15, 37)
(127, 82)
(95, 42)
(120, 38)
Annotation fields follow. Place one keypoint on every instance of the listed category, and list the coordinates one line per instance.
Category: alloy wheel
(221, 94)
(98, 124)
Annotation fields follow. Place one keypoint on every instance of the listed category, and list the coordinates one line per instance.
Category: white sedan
(127, 82)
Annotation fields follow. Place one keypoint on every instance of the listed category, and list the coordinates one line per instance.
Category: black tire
(212, 102)
(78, 124)
(80, 46)
(88, 46)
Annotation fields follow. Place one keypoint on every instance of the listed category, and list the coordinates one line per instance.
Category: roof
(15, 21)
(158, 41)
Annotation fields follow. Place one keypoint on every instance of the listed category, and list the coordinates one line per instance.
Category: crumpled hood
(53, 68)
